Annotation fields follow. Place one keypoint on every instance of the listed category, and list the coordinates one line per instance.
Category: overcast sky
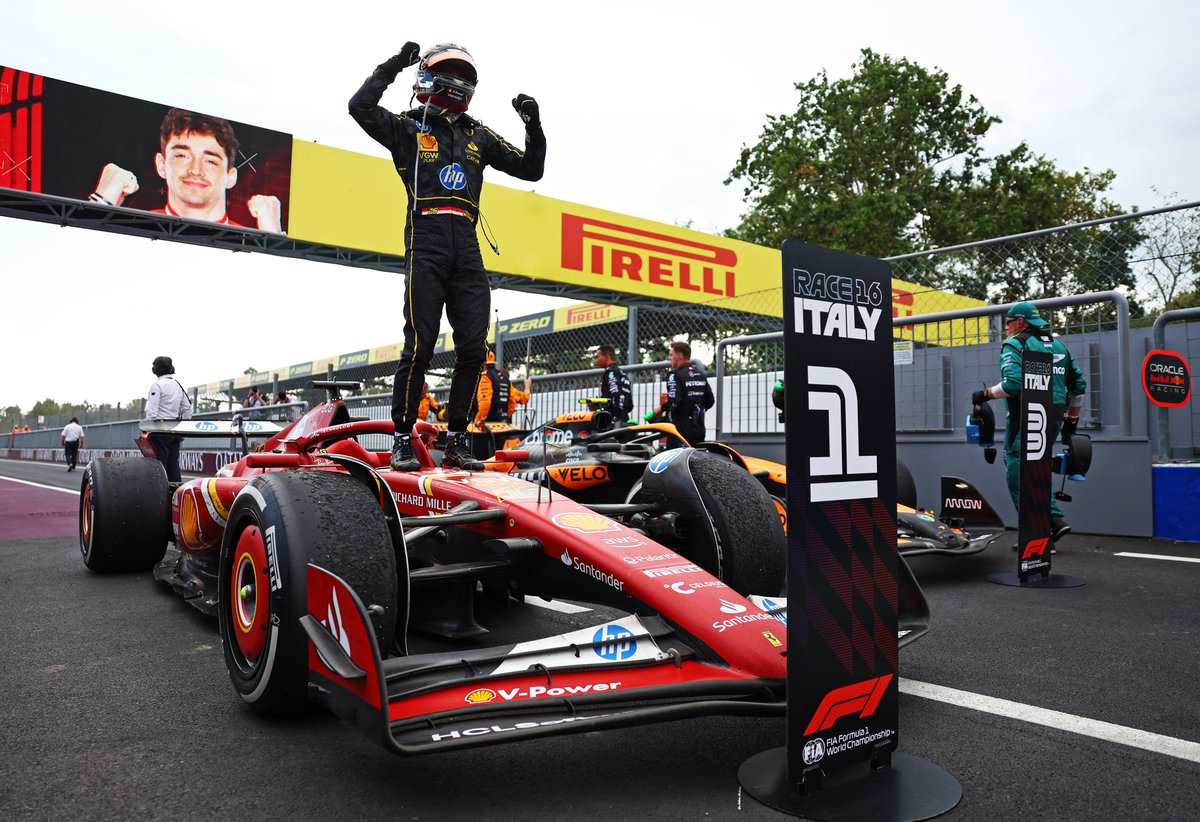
(646, 106)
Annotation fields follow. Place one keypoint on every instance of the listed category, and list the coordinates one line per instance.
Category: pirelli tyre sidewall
(124, 514)
(736, 532)
(279, 523)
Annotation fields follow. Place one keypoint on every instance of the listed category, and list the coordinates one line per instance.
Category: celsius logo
(680, 588)
(861, 698)
(728, 607)
(661, 461)
(814, 751)
(206, 426)
(452, 177)
(614, 643)
(690, 587)
(844, 460)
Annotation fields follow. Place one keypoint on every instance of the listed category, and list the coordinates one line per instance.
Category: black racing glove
(1068, 429)
(409, 53)
(527, 107)
(979, 397)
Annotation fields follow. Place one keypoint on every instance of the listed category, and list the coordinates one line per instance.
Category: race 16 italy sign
(1166, 378)
(842, 564)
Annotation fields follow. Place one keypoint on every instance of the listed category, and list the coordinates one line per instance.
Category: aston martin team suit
(441, 159)
(1067, 381)
(688, 396)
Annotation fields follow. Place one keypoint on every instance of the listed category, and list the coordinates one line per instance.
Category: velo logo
(453, 177)
(614, 642)
(844, 459)
(861, 698)
(1035, 428)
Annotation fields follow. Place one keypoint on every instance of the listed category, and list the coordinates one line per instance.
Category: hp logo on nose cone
(453, 177)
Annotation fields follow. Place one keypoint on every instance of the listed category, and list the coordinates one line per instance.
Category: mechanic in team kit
(688, 395)
(167, 401)
(614, 385)
(197, 160)
(497, 398)
(440, 153)
(1026, 329)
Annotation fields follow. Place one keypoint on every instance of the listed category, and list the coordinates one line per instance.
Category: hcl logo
(453, 177)
(844, 459)
(614, 643)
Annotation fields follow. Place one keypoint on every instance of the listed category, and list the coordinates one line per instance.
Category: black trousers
(689, 428)
(166, 447)
(71, 449)
(445, 270)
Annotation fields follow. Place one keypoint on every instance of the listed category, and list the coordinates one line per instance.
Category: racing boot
(403, 458)
(458, 454)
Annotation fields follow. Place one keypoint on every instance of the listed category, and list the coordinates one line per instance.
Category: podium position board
(841, 454)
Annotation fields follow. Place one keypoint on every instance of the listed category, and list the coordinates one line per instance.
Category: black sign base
(909, 789)
(1051, 581)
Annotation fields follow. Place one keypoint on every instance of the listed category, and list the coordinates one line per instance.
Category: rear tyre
(124, 514)
(279, 523)
(751, 546)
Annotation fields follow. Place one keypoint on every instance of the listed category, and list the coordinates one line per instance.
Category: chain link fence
(1150, 257)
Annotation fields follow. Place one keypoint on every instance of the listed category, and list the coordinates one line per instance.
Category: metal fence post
(632, 349)
(1162, 433)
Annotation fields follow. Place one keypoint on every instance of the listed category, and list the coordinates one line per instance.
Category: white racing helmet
(446, 78)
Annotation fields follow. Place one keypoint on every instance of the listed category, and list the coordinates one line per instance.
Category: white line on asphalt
(40, 485)
(1107, 731)
(556, 605)
(1155, 556)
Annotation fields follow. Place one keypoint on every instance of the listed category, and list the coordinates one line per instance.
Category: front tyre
(124, 514)
(750, 543)
(279, 523)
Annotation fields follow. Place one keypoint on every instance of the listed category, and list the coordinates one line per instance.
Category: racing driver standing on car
(440, 153)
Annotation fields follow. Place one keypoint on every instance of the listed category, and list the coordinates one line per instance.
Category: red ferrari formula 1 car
(326, 570)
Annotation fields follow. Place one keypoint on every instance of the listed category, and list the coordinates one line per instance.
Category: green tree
(890, 161)
(1172, 252)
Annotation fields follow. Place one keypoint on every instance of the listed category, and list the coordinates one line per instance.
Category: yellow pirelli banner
(352, 200)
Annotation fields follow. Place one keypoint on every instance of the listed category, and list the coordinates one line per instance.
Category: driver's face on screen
(196, 170)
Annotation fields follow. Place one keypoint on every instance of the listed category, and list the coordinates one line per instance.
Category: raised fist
(527, 107)
(409, 53)
(265, 208)
(115, 184)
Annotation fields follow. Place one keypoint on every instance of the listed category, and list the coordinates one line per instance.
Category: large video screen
(73, 141)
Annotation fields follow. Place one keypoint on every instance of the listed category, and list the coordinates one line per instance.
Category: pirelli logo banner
(843, 701)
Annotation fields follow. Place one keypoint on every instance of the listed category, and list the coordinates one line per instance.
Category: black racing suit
(615, 387)
(688, 396)
(441, 162)
(501, 387)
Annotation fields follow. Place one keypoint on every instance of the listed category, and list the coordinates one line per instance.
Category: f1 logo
(1035, 426)
(1035, 547)
(844, 459)
(861, 698)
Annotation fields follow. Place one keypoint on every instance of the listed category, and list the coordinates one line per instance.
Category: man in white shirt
(72, 440)
(167, 401)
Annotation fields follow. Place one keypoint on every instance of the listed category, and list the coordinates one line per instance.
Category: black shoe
(403, 458)
(1059, 528)
(458, 454)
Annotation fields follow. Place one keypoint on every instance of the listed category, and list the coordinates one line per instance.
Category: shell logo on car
(585, 523)
(480, 696)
